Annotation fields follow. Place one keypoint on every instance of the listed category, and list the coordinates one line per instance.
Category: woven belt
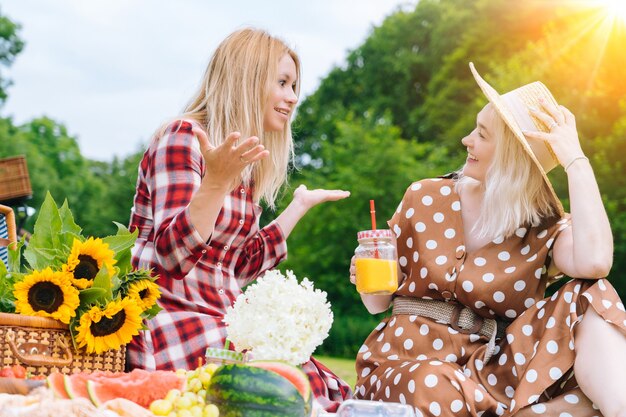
(457, 316)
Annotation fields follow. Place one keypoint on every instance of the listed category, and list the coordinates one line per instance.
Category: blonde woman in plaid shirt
(197, 209)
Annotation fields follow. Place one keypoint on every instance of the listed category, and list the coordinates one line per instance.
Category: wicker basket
(44, 345)
(14, 180)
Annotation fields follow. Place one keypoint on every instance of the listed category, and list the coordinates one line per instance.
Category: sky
(112, 71)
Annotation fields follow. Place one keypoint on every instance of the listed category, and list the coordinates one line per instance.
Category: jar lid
(378, 233)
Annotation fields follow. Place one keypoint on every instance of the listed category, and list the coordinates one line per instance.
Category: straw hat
(513, 108)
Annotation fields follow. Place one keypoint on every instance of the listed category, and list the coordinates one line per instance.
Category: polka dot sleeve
(401, 223)
(552, 273)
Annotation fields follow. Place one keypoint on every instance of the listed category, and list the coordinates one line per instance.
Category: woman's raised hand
(310, 198)
(562, 136)
(225, 163)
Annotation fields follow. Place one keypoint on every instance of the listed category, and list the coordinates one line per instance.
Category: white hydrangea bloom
(278, 318)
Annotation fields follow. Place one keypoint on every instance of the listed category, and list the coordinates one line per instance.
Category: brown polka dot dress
(442, 372)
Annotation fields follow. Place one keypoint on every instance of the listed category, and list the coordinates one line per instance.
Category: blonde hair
(516, 194)
(232, 97)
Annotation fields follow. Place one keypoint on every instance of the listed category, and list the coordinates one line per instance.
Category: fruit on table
(260, 390)
(13, 371)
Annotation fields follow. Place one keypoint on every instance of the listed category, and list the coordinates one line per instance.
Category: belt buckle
(456, 315)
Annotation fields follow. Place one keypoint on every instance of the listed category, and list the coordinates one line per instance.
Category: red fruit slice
(56, 382)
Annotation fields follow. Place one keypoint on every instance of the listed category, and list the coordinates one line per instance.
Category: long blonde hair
(516, 194)
(232, 97)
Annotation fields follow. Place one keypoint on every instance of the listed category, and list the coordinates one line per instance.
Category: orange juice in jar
(375, 263)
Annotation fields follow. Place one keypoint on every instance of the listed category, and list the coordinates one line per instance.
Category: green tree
(10, 46)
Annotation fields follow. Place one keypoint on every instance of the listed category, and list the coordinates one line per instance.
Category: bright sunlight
(615, 9)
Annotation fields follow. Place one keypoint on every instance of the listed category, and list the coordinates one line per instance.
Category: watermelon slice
(56, 383)
(293, 374)
(76, 384)
(141, 387)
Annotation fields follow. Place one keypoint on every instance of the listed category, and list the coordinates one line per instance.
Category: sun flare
(615, 9)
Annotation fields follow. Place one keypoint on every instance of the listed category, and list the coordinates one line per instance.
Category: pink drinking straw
(373, 216)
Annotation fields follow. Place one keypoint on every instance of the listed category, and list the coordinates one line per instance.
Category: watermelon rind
(56, 382)
(248, 391)
(292, 373)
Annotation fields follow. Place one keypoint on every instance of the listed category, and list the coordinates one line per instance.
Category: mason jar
(376, 262)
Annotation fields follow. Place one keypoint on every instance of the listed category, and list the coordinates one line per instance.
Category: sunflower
(109, 328)
(46, 293)
(145, 292)
(86, 260)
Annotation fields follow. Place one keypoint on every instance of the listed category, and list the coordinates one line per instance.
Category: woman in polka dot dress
(470, 333)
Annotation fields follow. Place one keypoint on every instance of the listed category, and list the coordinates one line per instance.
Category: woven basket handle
(39, 359)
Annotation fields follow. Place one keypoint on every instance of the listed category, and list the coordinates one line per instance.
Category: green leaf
(40, 250)
(103, 281)
(151, 312)
(15, 255)
(121, 244)
(92, 296)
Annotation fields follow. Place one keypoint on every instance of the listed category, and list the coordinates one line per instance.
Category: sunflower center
(143, 293)
(107, 326)
(45, 296)
(87, 267)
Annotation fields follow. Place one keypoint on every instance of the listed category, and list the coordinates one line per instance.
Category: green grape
(183, 402)
(211, 410)
(173, 394)
(161, 407)
(196, 410)
(184, 413)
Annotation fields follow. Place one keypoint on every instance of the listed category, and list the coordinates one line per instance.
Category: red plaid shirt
(198, 279)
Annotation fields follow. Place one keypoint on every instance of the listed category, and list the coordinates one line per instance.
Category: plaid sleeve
(263, 251)
(177, 169)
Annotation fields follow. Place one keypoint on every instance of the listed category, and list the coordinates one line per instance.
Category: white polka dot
(431, 380)
(549, 243)
(538, 408)
(431, 244)
(571, 398)
(402, 261)
(423, 272)
(399, 331)
(445, 190)
(529, 302)
(365, 372)
(416, 186)
(527, 329)
(412, 287)
(441, 260)
(555, 373)
(396, 380)
(449, 233)
(479, 304)
(387, 392)
(438, 217)
(409, 213)
(519, 285)
(409, 243)
(601, 285)
(510, 270)
(424, 329)
(474, 337)
(363, 348)
(551, 322)
(467, 286)
(479, 364)
(532, 258)
(531, 375)
(366, 355)
(492, 380)
(451, 358)
(411, 386)
(552, 347)
(438, 344)
(542, 234)
(427, 200)
(504, 256)
(498, 296)
(456, 405)
(456, 206)
(420, 227)
(568, 296)
(525, 250)
(502, 359)
(538, 273)
(416, 256)
(564, 414)
(478, 395)
(510, 314)
(509, 391)
(402, 399)
(519, 358)
(397, 230)
(408, 344)
(385, 348)
(521, 232)
(480, 261)
(541, 313)
(498, 240)
(607, 303)
(488, 277)
(435, 408)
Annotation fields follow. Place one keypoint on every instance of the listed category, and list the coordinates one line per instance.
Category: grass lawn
(343, 368)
